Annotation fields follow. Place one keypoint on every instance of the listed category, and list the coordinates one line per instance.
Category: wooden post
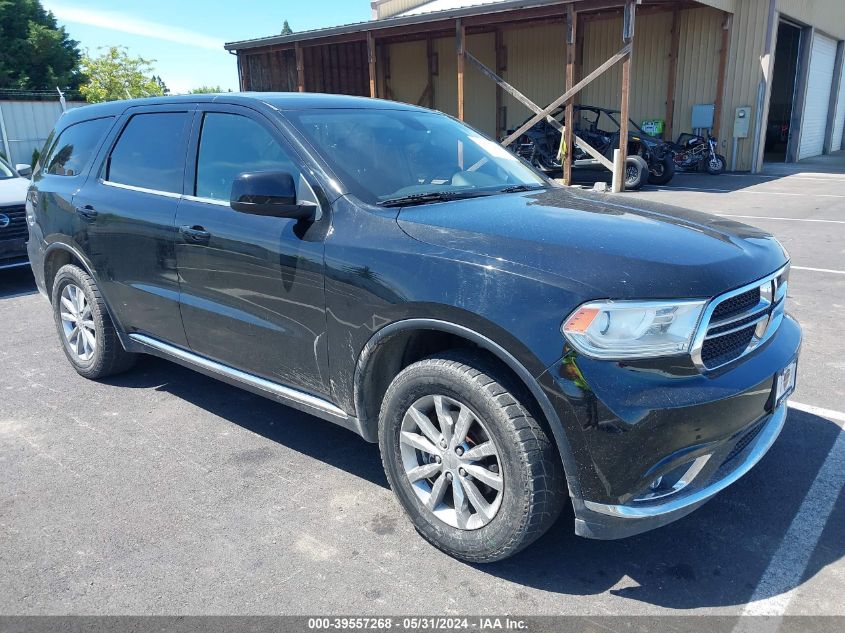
(501, 66)
(429, 53)
(460, 35)
(571, 38)
(674, 47)
(720, 79)
(371, 62)
(300, 68)
(242, 72)
(628, 39)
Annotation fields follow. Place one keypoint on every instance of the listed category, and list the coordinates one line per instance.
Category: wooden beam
(371, 62)
(674, 48)
(242, 73)
(569, 132)
(460, 41)
(516, 94)
(720, 78)
(501, 65)
(300, 69)
(624, 110)
(429, 55)
(622, 54)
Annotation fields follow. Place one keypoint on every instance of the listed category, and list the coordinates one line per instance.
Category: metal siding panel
(819, 85)
(698, 63)
(602, 39)
(826, 15)
(408, 72)
(28, 124)
(536, 67)
(479, 91)
(743, 75)
(446, 80)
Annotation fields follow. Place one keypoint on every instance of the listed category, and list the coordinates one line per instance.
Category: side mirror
(270, 193)
(24, 170)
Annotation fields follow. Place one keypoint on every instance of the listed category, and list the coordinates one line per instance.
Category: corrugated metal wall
(536, 66)
(410, 78)
(28, 124)
(650, 68)
(479, 92)
(743, 75)
(826, 15)
(698, 63)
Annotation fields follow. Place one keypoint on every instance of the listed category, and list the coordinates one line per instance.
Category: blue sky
(186, 37)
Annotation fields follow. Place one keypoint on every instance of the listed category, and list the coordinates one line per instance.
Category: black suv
(508, 342)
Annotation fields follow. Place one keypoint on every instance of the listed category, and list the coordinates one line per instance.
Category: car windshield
(399, 155)
(5, 170)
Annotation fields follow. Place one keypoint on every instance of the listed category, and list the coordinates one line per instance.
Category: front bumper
(607, 521)
(631, 425)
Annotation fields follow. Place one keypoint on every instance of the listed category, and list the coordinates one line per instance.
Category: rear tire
(478, 510)
(85, 328)
(663, 171)
(636, 173)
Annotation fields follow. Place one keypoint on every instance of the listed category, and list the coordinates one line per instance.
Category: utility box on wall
(742, 120)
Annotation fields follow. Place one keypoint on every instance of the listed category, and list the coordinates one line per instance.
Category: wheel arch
(385, 355)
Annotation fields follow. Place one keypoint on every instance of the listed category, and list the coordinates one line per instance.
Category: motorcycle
(692, 152)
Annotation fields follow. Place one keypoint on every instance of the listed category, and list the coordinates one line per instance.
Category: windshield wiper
(520, 188)
(431, 196)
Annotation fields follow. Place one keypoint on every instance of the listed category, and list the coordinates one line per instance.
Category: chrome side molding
(286, 395)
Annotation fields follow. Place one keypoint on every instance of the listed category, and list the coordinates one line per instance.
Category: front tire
(85, 328)
(475, 472)
(716, 165)
(636, 173)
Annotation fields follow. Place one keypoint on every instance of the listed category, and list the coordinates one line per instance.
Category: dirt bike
(692, 152)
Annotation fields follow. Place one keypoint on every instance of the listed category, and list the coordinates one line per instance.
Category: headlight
(633, 329)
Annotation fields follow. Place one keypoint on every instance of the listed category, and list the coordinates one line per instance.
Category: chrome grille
(739, 321)
(17, 223)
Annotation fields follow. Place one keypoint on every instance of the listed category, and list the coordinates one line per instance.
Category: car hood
(13, 191)
(619, 247)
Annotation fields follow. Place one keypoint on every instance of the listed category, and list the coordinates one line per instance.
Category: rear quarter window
(75, 147)
(150, 152)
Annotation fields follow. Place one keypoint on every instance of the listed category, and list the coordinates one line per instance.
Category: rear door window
(74, 148)
(231, 144)
(150, 152)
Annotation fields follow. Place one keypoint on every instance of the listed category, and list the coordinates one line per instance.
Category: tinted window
(75, 146)
(231, 144)
(151, 152)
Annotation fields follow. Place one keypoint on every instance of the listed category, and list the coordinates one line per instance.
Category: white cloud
(128, 24)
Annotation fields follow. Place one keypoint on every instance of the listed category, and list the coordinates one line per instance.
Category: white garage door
(839, 120)
(819, 84)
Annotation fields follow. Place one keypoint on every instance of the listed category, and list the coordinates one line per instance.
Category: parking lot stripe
(830, 414)
(819, 270)
(764, 193)
(769, 217)
(786, 568)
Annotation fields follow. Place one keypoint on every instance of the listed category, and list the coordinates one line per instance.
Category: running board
(291, 397)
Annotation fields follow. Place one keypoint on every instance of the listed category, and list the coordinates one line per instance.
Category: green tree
(286, 30)
(205, 90)
(35, 53)
(115, 75)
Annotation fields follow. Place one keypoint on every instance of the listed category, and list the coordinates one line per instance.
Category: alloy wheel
(78, 322)
(452, 462)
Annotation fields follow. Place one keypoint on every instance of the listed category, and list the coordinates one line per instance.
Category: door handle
(87, 212)
(195, 234)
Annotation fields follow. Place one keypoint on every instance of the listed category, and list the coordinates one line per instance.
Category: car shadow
(714, 557)
(17, 282)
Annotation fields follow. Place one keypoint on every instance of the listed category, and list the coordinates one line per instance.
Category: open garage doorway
(778, 127)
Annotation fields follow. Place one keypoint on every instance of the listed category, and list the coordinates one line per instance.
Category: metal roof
(466, 8)
(446, 5)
